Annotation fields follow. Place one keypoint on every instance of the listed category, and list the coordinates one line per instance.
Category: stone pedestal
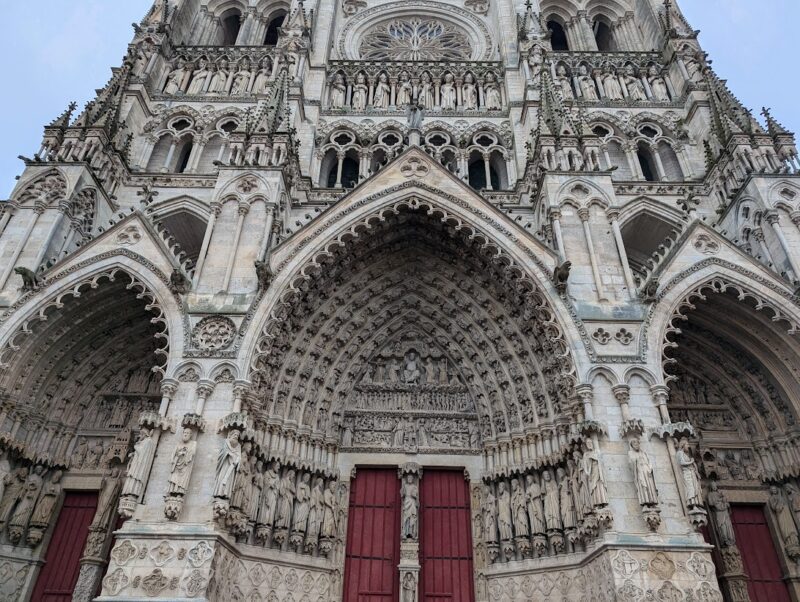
(409, 571)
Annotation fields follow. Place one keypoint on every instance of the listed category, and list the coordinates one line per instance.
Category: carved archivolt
(413, 267)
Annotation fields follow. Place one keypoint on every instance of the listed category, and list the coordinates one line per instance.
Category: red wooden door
(373, 537)
(62, 561)
(761, 563)
(445, 538)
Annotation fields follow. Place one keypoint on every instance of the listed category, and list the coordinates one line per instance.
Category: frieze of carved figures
(619, 79)
(645, 483)
(544, 512)
(449, 88)
(221, 72)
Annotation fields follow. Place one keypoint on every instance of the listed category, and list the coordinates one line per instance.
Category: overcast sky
(55, 51)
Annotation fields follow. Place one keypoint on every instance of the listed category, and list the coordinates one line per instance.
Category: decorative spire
(773, 126)
(63, 120)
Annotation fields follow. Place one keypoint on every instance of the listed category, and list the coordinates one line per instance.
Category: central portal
(374, 539)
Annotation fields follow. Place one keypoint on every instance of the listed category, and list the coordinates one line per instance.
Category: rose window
(415, 40)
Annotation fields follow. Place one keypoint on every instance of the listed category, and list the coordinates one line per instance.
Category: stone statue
(722, 516)
(338, 91)
(316, 511)
(139, 464)
(633, 84)
(425, 96)
(269, 496)
(264, 74)
(447, 93)
(45, 508)
(241, 81)
(302, 505)
(286, 493)
(360, 93)
(14, 488)
(569, 518)
(199, 78)
(175, 78)
(330, 510)
(30, 281)
(182, 460)
(491, 89)
(411, 372)
(489, 510)
(533, 495)
(552, 509)
(519, 509)
(657, 84)
(611, 85)
(690, 474)
(794, 499)
(593, 473)
(642, 474)
(228, 460)
(219, 81)
(784, 521)
(405, 90)
(242, 480)
(410, 513)
(409, 588)
(504, 520)
(469, 93)
(588, 87)
(382, 96)
(5, 472)
(563, 83)
(24, 509)
(414, 114)
(107, 499)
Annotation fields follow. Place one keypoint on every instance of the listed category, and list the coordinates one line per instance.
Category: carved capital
(169, 386)
(205, 388)
(622, 393)
(583, 214)
(772, 217)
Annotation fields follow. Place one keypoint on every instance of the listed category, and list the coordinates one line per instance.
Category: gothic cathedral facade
(420, 301)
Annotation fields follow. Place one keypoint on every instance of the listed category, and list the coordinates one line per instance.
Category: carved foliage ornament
(415, 39)
(214, 332)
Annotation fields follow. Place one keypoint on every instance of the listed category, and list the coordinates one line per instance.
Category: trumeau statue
(552, 510)
(228, 460)
(593, 474)
(489, 509)
(519, 509)
(643, 474)
(410, 509)
(534, 494)
(24, 509)
(302, 504)
(286, 496)
(14, 488)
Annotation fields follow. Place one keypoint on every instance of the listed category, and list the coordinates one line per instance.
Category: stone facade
(290, 241)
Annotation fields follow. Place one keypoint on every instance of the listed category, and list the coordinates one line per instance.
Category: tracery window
(415, 39)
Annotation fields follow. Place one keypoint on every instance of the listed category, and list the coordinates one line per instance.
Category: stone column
(555, 219)
(583, 214)
(38, 211)
(409, 475)
(9, 209)
(216, 209)
(613, 218)
(244, 209)
(773, 219)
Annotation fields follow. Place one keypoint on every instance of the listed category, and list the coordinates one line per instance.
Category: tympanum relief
(411, 396)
